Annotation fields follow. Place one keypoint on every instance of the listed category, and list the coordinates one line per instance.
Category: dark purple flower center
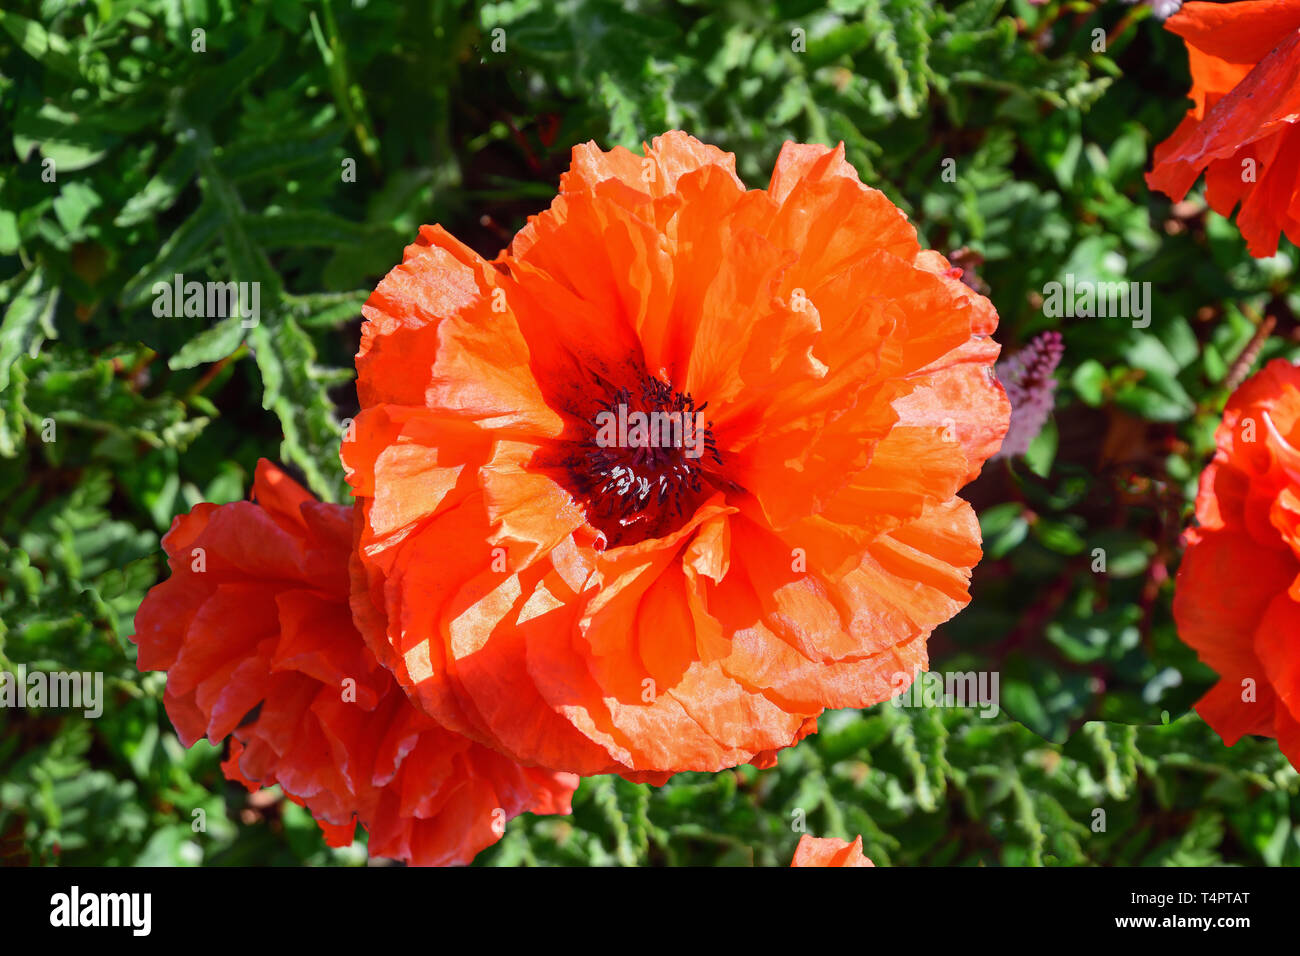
(648, 462)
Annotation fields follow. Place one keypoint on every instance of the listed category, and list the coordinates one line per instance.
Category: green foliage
(946, 787)
(299, 145)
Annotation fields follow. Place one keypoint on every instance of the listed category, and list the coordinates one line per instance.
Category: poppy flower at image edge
(1243, 129)
(1237, 594)
(828, 851)
(254, 631)
(593, 599)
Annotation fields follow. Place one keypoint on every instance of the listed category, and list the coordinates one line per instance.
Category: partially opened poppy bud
(254, 631)
(1237, 598)
(828, 851)
(675, 472)
(1243, 129)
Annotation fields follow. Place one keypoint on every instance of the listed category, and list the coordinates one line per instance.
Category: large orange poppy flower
(828, 851)
(254, 631)
(1237, 600)
(596, 598)
(1243, 128)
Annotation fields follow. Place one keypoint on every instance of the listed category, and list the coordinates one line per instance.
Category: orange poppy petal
(1275, 647)
(1245, 60)
(596, 599)
(1235, 32)
(828, 851)
(1237, 594)
(260, 646)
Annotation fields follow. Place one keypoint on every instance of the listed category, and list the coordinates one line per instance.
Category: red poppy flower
(688, 596)
(254, 630)
(818, 851)
(1237, 600)
(1243, 128)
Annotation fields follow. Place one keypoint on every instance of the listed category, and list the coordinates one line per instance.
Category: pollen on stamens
(650, 457)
